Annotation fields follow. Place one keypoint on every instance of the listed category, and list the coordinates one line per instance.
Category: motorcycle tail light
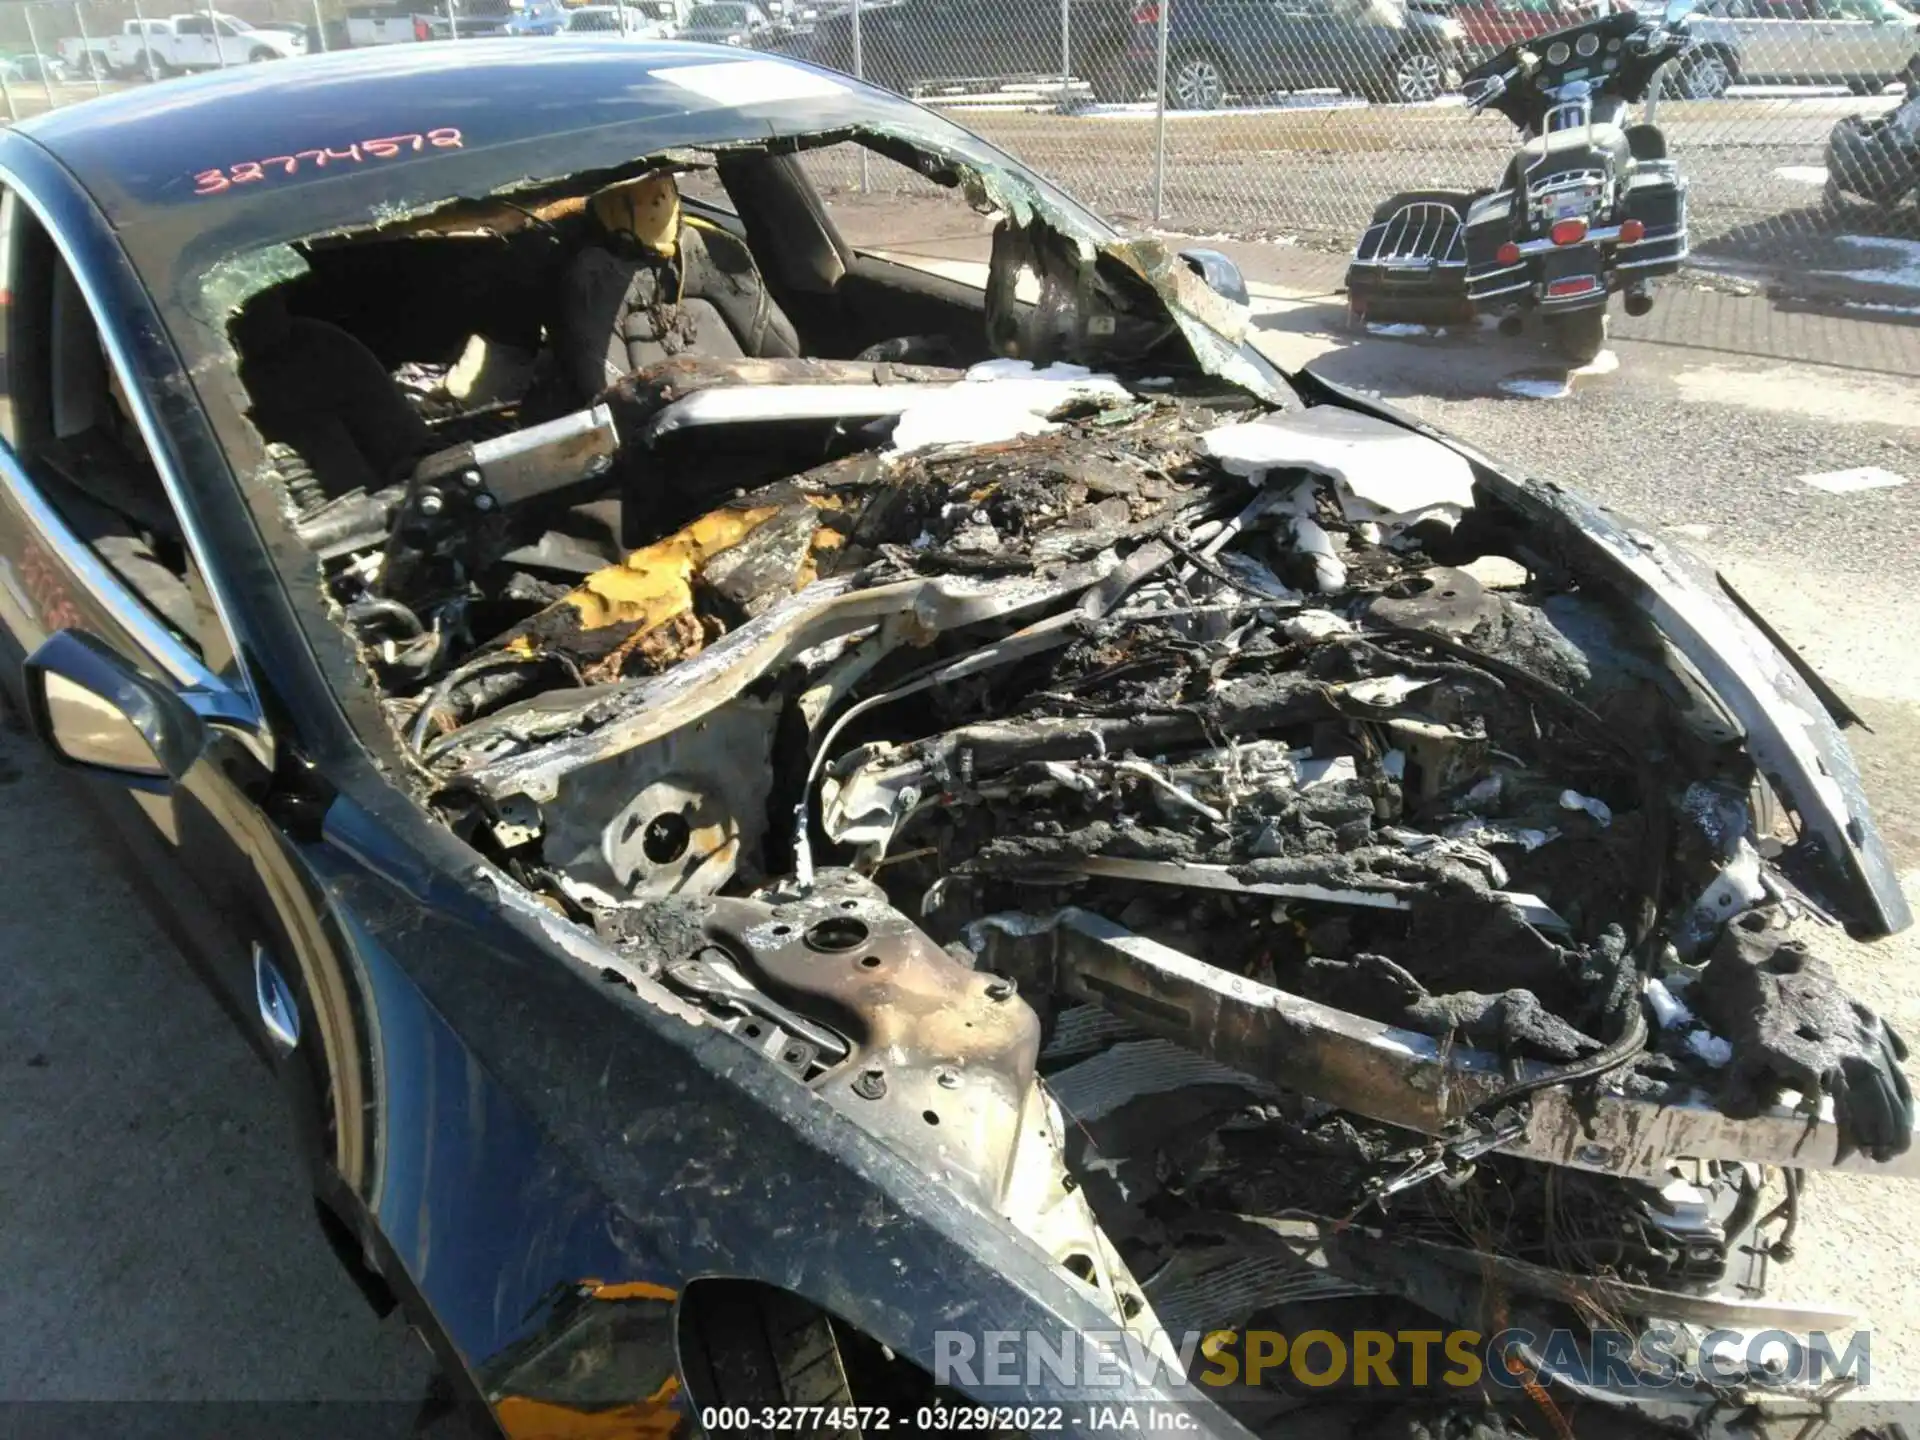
(1632, 232)
(1575, 285)
(1568, 232)
(1508, 254)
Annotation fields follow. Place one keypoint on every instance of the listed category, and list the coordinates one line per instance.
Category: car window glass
(70, 425)
(887, 209)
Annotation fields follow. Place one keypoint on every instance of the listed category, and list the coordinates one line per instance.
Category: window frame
(227, 695)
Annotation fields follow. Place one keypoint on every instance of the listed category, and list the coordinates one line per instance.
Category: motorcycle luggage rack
(1422, 235)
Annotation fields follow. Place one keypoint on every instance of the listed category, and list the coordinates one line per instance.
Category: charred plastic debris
(1227, 839)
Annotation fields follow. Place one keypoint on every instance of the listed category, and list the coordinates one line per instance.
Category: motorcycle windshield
(1623, 70)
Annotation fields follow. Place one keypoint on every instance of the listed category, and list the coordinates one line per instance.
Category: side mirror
(94, 710)
(1221, 275)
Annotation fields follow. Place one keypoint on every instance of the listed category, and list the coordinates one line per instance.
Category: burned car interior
(1227, 834)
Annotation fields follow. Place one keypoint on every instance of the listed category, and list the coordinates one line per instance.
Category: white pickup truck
(184, 42)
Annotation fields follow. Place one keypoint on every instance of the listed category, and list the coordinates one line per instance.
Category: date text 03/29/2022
(958, 1419)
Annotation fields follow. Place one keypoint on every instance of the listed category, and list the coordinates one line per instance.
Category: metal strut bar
(1395, 1075)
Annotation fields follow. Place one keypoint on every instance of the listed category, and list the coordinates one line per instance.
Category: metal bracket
(1400, 1076)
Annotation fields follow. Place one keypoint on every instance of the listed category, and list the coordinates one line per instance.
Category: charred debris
(1225, 802)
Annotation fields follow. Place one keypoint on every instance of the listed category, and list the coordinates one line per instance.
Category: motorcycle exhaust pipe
(1639, 300)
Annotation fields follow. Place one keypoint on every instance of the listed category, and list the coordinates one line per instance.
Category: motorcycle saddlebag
(1656, 197)
(1410, 264)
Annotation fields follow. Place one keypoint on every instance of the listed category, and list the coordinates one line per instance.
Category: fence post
(46, 76)
(213, 34)
(94, 62)
(860, 73)
(1066, 48)
(6, 89)
(146, 50)
(319, 27)
(1160, 112)
(453, 22)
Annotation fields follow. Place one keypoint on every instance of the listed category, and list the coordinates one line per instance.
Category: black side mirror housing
(1221, 274)
(94, 710)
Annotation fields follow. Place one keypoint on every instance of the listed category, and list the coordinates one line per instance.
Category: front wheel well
(747, 1343)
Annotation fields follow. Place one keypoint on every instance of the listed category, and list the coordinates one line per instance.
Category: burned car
(771, 808)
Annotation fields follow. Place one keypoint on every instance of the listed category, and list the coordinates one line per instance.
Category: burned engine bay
(1221, 835)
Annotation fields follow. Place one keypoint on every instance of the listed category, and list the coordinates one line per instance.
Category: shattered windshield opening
(803, 624)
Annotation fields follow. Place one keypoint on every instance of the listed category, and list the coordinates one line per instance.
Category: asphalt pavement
(155, 1237)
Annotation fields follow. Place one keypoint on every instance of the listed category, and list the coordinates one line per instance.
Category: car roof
(234, 160)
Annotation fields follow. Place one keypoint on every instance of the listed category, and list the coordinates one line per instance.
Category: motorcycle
(1590, 204)
(1873, 162)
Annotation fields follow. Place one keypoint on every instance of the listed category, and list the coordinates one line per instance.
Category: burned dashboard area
(1201, 828)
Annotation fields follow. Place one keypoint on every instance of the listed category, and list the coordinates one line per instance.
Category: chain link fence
(1286, 120)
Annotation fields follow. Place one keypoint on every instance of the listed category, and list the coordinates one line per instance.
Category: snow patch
(1803, 174)
(1902, 267)
(1397, 330)
(1845, 482)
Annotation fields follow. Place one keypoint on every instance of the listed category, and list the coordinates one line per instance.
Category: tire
(1910, 77)
(1417, 77)
(260, 52)
(1579, 336)
(153, 65)
(743, 1344)
(1196, 81)
(1865, 87)
(1704, 75)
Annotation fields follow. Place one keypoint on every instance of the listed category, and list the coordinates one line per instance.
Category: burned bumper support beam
(1399, 1076)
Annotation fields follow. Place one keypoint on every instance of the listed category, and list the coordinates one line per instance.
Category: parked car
(1873, 161)
(636, 22)
(35, 69)
(679, 849)
(1862, 44)
(1492, 25)
(1219, 49)
(909, 45)
(180, 44)
(731, 22)
(368, 25)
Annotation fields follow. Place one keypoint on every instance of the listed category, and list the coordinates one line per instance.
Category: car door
(1341, 44)
(1014, 37)
(1870, 43)
(99, 569)
(1267, 44)
(191, 47)
(1783, 42)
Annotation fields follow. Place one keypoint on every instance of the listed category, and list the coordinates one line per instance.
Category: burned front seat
(651, 283)
(320, 390)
